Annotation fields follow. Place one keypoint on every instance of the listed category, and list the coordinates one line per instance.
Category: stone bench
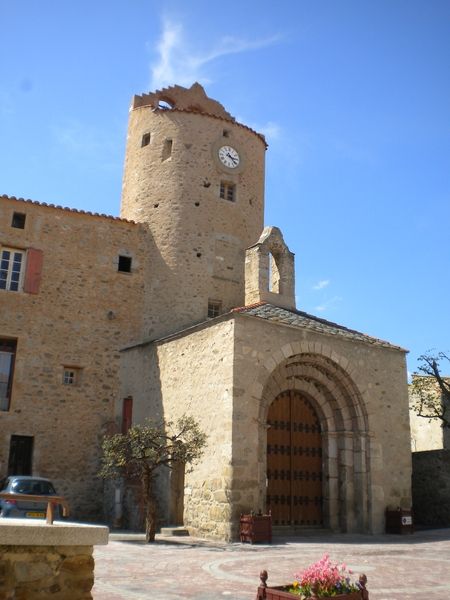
(38, 560)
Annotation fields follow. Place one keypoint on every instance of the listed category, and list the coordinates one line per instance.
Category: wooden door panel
(307, 463)
(279, 460)
(294, 461)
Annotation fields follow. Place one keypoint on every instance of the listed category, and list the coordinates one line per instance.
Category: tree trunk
(150, 508)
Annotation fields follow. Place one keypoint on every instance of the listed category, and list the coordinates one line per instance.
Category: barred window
(214, 308)
(228, 191)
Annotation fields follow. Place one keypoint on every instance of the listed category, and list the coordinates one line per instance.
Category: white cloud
(178, 62)
(320, 285)
(328, 304)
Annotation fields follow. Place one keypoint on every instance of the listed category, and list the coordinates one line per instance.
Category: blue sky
(353, 96)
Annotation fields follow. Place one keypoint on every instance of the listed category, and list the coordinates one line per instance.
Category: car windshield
(32, 486)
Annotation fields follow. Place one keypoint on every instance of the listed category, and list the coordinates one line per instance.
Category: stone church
(186, 305)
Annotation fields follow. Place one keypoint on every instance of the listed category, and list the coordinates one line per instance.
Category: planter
(399, 521)
(279, 592)
(255, 528)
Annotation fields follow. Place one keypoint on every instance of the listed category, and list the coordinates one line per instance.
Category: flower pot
(279, 592)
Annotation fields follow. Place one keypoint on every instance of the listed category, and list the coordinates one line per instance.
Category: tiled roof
(65, 208)
(297, 318)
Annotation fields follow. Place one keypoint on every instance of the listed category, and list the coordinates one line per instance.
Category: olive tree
(430, 389)
(141, 451)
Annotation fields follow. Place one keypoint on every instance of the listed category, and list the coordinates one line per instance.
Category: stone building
(186, 304)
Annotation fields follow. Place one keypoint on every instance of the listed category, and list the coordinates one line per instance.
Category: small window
(167, 149)
(124, 264)
(18, 220)
(228, 191)
(71, 375)
(226, 133)
(7, 359)
(145, 140)
(12, 263)
(127, 414)
(214, 308)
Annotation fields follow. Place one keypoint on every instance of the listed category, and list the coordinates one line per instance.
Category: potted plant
(323, 579)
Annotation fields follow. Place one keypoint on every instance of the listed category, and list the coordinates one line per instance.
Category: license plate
(35, 514)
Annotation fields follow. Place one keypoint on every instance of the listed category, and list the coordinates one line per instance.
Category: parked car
(26, 484)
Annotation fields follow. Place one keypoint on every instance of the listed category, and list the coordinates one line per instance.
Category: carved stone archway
(337, 402)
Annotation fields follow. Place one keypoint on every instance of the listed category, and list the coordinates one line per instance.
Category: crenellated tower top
(193, 99)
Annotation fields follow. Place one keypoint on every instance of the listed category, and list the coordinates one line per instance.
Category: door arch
(294, 461)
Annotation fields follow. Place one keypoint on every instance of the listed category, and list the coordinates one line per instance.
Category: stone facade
(79, 318)
(186, 305)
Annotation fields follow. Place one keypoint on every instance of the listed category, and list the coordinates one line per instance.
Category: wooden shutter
(32, 281)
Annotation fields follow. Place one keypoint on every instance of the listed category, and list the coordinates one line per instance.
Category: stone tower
(194, 177)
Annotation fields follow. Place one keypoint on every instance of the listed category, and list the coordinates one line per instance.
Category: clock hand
(232, 158)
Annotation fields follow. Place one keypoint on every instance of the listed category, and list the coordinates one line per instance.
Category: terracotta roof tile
(65, 208)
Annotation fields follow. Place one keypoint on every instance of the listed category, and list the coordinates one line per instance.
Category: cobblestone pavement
(398, 567)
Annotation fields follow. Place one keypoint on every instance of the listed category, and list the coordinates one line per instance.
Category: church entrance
(294, 461)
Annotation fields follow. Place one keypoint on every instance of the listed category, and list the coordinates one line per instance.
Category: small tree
(430, 390)
(143, 449)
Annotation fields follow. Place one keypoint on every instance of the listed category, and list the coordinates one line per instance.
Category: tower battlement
(193, 99)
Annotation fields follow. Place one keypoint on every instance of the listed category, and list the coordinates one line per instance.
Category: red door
(294, 462)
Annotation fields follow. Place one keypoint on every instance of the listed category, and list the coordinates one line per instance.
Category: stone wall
(41, 572)
(84, 312)
(431, 488)
(40, 561)
(195, 377)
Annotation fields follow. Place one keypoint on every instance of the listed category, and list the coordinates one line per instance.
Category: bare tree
(430, 390)
(143, 449)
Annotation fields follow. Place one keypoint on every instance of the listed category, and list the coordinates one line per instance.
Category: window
(124, 264)
(7, 357)
(214, 308)
(145, 140)
(11, 269)
(227, 191)
(20, 455)
(71, 375)
(167, 149)
(127, 414)
(18, 220)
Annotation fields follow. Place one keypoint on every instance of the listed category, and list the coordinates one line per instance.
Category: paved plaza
(398, 567)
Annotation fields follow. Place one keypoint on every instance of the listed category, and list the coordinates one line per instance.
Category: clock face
(229, 157)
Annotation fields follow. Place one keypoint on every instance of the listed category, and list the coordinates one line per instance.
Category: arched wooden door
(294, 462)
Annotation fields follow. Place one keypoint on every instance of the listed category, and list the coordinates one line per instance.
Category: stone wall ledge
(36, 532)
